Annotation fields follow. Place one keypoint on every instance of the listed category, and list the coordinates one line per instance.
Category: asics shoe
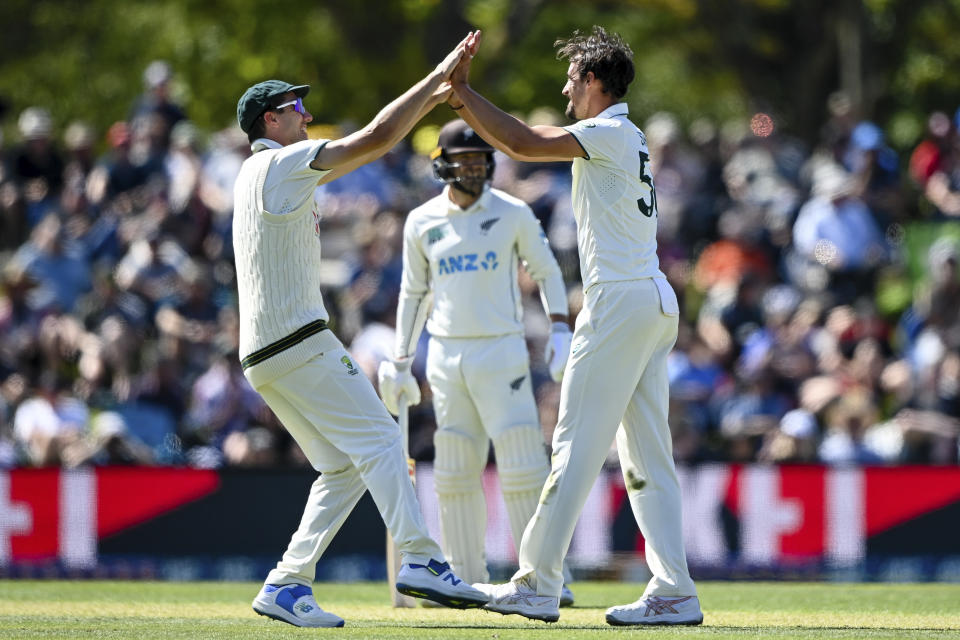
(293, 604)
(435, 581)
(519, 597)
(657, 610)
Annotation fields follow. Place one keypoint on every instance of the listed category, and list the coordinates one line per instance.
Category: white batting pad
(458, 468)
(522, 465)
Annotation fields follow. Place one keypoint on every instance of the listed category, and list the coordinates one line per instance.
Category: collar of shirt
(614, 110)
(265, 143)
(479, 205)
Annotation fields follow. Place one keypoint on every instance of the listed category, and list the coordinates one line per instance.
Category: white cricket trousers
(334, 414)
(482, 391)
(615, 386)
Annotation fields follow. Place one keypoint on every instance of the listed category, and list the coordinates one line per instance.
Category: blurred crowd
(819, 288)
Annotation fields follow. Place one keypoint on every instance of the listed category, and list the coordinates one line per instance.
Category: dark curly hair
(605, 54)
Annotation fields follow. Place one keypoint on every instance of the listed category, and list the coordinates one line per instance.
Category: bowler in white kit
(461, 250)
(615, 384)
(301, 369)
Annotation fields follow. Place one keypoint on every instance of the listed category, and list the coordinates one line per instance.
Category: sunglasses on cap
(297, 106)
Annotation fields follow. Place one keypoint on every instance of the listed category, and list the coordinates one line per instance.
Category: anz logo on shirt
(463, 262)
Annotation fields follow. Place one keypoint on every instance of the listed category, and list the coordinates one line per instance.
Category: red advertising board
(751, 514)
(55, 514)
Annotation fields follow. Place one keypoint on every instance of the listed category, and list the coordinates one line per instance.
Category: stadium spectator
(836, 231)
(221, 404)
(48, 423)
(847, 420)
(116, 172)
(942, 188)
(108, 442)
(156, 105)
(795, 439)
(929, 156)
(151, 269)
(874, 167)
(677, 174)
(36, 165)
(60, 271)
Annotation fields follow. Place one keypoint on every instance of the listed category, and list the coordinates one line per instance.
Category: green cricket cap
(259, 98)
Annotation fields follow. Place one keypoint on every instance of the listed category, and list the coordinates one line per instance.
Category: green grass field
(142, 610)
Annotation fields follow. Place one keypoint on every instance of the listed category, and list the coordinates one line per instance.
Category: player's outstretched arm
(390, 125)
(503, 131)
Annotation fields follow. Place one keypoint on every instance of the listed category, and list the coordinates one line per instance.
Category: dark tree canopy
(696, 58)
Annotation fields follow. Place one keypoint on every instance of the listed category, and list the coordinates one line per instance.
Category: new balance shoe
(435, 581)
(566, 596)
(293, 604)
(657, 610)
(519, 597)
(430, 604)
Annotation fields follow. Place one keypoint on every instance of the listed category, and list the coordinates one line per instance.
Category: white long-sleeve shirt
(468, 260)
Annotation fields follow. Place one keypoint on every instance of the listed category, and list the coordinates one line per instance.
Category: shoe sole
(530, 616)
(278, 616)
(443, 599)
(430, 604)
(663, 623)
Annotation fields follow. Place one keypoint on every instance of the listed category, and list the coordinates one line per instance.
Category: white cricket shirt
(468, 258)
(614, 201)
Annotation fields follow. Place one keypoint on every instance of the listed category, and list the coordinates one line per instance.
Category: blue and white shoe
(436, 581)
(293, 604)
(566, 596)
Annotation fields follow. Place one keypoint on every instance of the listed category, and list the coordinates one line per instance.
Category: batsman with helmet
(462, 249)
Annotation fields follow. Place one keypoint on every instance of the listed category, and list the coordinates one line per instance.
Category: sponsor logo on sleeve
(348, 363)
(436, 234)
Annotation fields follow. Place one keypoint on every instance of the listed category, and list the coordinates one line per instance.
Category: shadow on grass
(703, 628)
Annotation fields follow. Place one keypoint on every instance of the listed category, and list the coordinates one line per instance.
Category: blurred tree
(714, 58)
(888, 56)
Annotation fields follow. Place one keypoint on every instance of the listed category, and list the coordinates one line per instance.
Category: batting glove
(395, 380)
(558, 348)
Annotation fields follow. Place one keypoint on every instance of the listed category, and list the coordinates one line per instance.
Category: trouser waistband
(284, 343)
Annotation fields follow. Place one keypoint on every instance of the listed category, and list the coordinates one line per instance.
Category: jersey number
(647, 209)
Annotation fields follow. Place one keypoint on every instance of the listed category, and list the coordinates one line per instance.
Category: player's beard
(472, 184)
(570, 112)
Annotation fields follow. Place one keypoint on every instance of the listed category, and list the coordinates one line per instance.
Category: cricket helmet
(456, 137)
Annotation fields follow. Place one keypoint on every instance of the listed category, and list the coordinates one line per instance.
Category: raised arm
(503, 131)
(390, 125)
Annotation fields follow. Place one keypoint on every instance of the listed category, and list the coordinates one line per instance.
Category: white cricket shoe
(566, 596)
(656, 610)
(435, 581)
(517, 596)
(293, 604)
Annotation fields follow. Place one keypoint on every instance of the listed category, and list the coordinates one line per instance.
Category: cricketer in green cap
(296, 363)
(263, 96)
